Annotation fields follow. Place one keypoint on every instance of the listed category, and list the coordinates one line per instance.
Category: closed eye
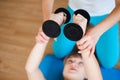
(80, 63)
(69, 61)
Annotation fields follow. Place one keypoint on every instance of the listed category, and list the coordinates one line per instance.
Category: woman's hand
(41, 37)
(88, 41)
(81, 21)
(59, 18)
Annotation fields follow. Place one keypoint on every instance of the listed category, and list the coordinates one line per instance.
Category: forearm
(92, 67)
(47, 7)
(109, 21)
(35, 57)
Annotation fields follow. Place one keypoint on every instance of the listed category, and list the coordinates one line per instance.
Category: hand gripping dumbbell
(52, 28)
(73, 31)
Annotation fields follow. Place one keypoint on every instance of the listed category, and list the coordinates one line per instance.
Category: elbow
(96, 78)
(28, 69)
(31, 69)
(100, 78)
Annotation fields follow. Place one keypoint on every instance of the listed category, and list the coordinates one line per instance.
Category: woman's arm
(37, 52)
(47, 7)
(109, 21)
(92, 36)
(91, 66)
(35, 57)
(90, 63)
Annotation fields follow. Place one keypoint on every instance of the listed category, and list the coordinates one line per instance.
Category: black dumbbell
(73, 31)
(52, 28)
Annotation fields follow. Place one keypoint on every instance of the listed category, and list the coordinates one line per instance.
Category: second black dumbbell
(74, 31)
(52, 28)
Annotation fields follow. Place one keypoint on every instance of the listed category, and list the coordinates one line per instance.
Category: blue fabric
(110, 74)
(63, 46)
(107, 48)
(52, 68)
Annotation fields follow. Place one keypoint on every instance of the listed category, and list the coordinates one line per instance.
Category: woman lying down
(77, 66)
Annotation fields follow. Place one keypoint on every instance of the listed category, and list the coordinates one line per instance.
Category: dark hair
(72, 54)
(85, 79)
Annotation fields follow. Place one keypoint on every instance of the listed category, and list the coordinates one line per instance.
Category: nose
(74, 64)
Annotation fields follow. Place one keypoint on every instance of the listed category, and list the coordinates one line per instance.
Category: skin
(92, 36)
(73, 69)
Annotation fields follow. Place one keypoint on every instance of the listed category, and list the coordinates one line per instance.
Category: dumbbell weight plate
(73, 31)
(84, 13)
(66, 13)
(51, 28)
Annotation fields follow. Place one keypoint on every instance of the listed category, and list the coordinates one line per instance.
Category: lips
(73, 69)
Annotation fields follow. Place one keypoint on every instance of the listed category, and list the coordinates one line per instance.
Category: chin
(71, 76)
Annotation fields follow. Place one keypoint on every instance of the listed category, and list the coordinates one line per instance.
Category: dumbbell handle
(52, 27)
(84, 13)
(59, 18)
(65, 13)
(74, 31)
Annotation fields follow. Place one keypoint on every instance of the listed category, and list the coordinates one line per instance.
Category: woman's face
(74, 69)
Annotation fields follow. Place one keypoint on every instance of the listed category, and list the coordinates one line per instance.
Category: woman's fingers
(83, 46)
(59, 18)
(85, 50)
(44, 36)
(41, 37)
(92, 51)
(81, 21)
(84, 42)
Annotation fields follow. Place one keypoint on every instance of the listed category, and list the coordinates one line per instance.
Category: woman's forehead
(75, 57)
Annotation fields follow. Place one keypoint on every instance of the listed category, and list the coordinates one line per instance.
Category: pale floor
(19, 24)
